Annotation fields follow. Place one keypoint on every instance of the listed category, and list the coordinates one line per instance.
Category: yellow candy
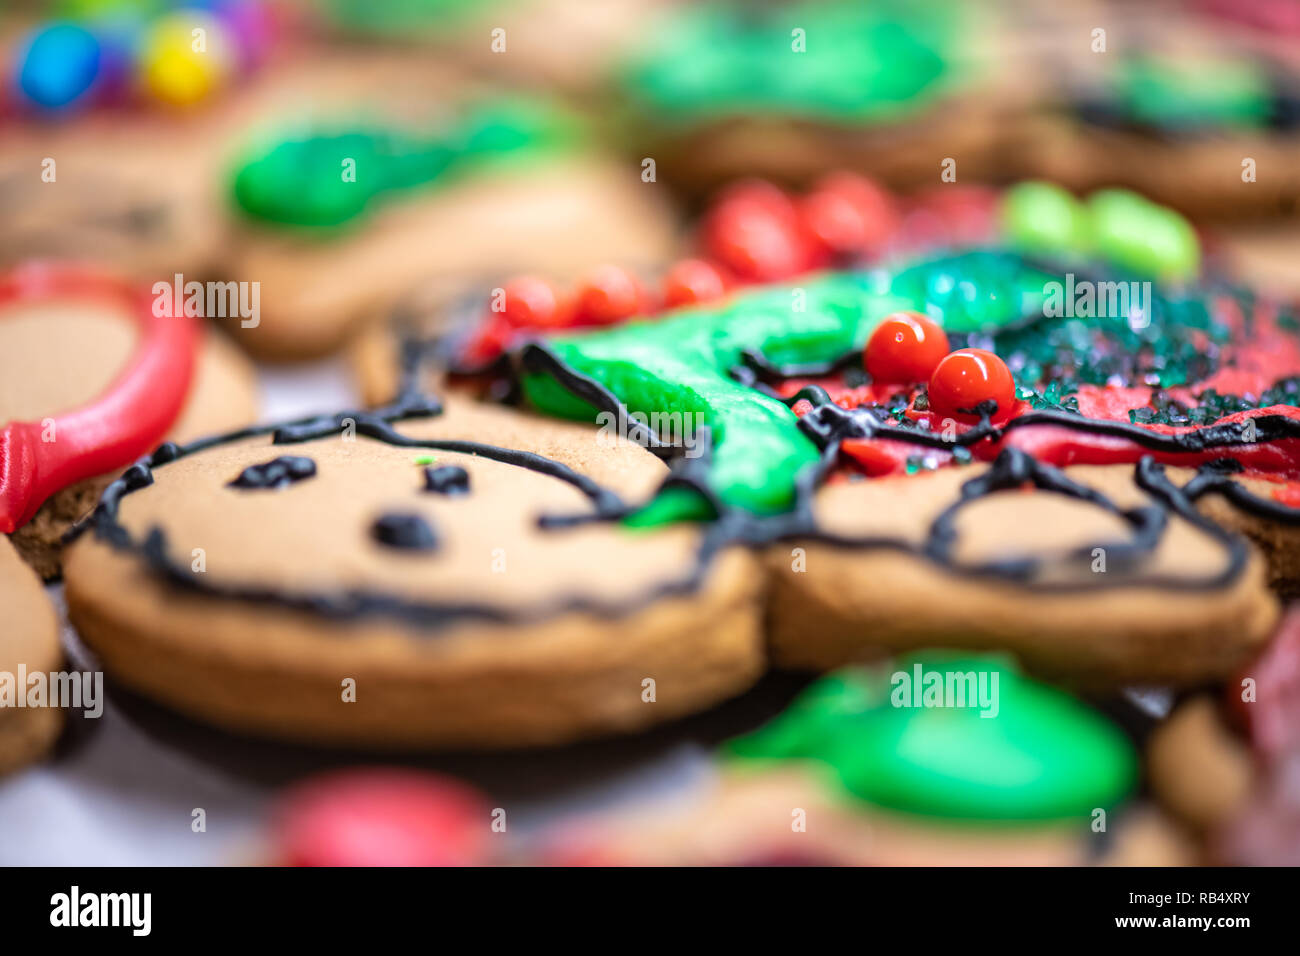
(185, 57)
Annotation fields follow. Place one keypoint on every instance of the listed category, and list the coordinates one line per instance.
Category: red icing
(1270, 355)
(1273, 717)
(127, 421)
(382, 818)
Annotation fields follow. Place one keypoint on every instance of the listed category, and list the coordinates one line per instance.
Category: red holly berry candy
(967, 377)
(382, 818)
(609, 294)
(693, 280)
(848, 215)
(906, 347)
(754, 231)
(532, 303)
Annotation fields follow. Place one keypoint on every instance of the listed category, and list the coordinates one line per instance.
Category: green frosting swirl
(1040, 756)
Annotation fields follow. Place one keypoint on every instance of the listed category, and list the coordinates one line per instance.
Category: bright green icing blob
(680, 364)
(331, 179)
(1115, 224)
(1042, 756)
(860, 61)
(1188, 94)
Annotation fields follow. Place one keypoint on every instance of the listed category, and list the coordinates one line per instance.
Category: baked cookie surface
(29, 644)
(328, 560)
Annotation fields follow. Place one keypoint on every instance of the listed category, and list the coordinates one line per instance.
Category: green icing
(1117, 225)
(1160, 91)
(990, 299)
(680, 364)
(1043, 756)
(301, 181)
(861, 61)
(402, 17)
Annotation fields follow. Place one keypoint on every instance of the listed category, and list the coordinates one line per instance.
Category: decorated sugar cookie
(92, 375)
(791, 91)
(343, 224)
(1190, 115)
(933, 759)
(416, 578)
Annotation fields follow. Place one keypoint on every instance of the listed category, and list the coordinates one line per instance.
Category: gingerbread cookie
(341, 224)
(979, 508)
(895, 90)
(1178, 109)
(91, 376)
(409, 579)
(29, 645)
(920, 761)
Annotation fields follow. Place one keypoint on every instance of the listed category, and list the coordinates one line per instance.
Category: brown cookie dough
(29, 639)
(61, 354)
(455, 619)
(1199, 769)
(829, 603)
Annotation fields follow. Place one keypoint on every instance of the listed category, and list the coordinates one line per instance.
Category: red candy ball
(382, 818)
(609, 294)
(755, 231)
(905, 348)
(533, 303)
(691, 281)
(967, 377)
(848, 215)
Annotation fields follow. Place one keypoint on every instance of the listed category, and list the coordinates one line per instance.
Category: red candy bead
(848, 215)
(691, 281)
(532, 303)
(382, 818)
(609, 294)
(755, 231)
(906, 347)
(967, 377)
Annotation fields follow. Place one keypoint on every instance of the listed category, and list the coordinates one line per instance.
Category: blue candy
(60, 66)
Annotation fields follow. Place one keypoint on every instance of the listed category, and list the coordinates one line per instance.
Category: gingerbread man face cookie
(457, 579)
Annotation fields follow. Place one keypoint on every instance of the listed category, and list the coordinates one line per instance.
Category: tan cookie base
(30, 637)
(852, 604)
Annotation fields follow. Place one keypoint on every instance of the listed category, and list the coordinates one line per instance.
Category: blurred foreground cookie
(29, 645)
(411, 580)
(94, 372)
(933, 759)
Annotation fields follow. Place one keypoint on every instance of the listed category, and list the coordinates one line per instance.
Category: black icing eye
(409, 532)
(276, 473)
(446, 480)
